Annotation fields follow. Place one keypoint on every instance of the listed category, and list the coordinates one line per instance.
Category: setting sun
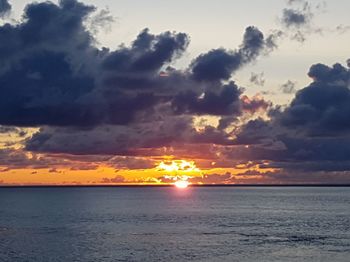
(181, 184)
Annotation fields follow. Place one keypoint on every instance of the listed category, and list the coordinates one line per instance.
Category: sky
(155, 92)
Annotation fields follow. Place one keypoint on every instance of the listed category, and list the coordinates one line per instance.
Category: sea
(170, 224)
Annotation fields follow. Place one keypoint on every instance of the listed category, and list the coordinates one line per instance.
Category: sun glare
(181, 184)
(178, 165)
(178, 172)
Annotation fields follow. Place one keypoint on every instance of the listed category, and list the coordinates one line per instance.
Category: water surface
(168, 224)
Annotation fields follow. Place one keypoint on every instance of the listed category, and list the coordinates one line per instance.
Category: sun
(178, 172)
(181, 184)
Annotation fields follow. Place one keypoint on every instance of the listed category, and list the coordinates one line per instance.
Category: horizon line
(170, 185)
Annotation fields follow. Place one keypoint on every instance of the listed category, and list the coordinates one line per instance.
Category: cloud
(52, 74)
(257, 79)
(342, 29)
(288, 87)
(115, 180)
(5, 7)
(155, 129)
(12, 130)
(12, 159)
(310, 135)
(226, 178)
(148, 54)
(128, 140)
(255, 104)
(295, 18)
(102, 20)
(127, 162)
(220, 64)
(323, 106)
(39, 65)
(226, 102)
(320, 177)
(298, 14)
(226, 121)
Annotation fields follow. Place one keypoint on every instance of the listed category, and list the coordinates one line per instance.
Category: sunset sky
(154, 92)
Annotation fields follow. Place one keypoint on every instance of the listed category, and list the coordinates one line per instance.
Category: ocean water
(168, 224)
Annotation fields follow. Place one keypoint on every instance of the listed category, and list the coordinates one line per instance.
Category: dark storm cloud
(51, 73)
(311, 134)
(148, 53)
(124, 101)
(335, 74)
(220, 64)
(215, 65)
(226, 102)
(254, 132)
(288, 149)
(126, 140)
(46, 27)
(5, 7)
(324, 106)
(40, 81)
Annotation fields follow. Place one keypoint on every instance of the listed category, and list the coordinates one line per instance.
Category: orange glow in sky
(178, 165)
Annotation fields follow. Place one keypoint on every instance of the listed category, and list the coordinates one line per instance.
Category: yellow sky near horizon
(108, 175)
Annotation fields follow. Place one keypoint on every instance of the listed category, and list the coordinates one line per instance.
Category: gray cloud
(220, 64)
(311, 134)
(257, 79)
(295, 18)
(288, 87)
(5, 7)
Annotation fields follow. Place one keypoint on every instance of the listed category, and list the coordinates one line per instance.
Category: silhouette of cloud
(220, 64)
(5, 7)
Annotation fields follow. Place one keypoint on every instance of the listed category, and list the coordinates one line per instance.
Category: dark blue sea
(169, 224)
